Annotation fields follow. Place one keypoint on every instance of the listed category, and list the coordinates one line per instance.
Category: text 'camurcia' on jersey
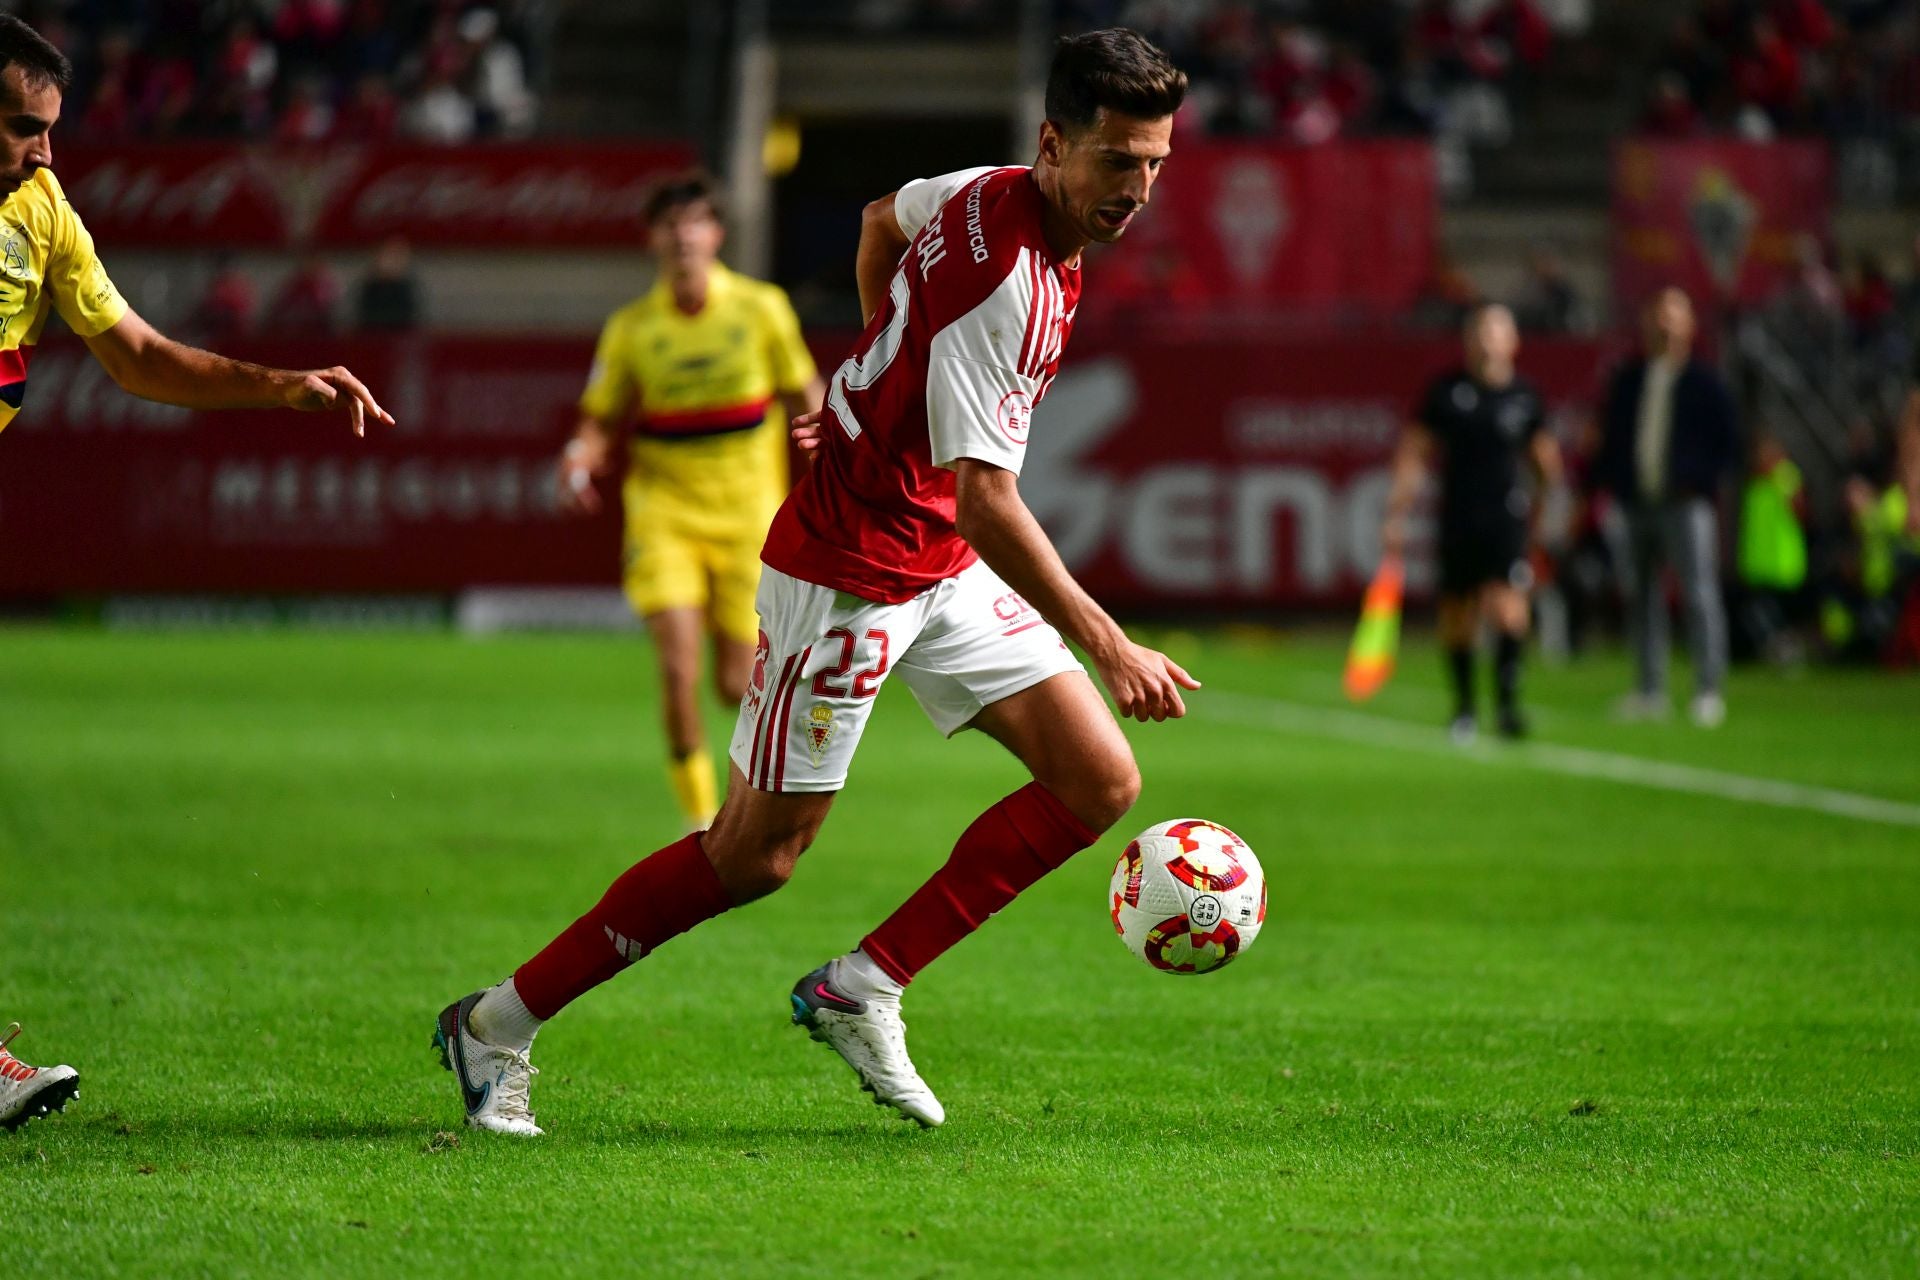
(952, 364)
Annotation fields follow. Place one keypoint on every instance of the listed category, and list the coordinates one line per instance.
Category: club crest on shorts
(819, 732)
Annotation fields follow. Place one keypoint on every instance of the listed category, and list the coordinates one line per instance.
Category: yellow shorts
(670, 567)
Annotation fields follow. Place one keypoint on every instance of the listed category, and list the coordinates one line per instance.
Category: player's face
(1107, 170)
(687, 238)
(1493, 338)
(1670, 322)
(28, 113)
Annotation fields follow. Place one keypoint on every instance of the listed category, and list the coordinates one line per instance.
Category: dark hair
(43, 64)
(1118, 69)
(677, 191)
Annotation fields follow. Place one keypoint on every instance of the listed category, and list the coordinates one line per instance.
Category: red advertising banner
(1233, 474)
(102, 493)
(1723, 220)
(518, 195)
(1239, 474)
(1351, 224)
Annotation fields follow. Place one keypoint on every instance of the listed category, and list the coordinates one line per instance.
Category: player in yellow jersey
(47, 263)
(701, 374)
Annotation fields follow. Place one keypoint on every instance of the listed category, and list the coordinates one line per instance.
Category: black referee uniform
(1483, 433)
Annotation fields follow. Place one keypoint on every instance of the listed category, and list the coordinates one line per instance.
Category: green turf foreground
(1503, 1021)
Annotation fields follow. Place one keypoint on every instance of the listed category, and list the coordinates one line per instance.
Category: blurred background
(445, 197)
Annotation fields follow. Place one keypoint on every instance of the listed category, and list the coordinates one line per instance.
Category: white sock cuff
(877, 980)
(502, 1017)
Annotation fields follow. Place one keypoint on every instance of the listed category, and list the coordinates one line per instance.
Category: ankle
(501, 1017)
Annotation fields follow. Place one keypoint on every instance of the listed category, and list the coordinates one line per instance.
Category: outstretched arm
(150, 365)
(995, 521)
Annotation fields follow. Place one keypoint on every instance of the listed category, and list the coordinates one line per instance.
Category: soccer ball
(1188, 896)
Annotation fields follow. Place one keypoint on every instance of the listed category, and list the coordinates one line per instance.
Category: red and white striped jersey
(963, 348)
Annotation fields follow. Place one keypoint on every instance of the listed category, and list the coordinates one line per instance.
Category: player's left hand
(806, 433)
(318, 390)
(1145, 683)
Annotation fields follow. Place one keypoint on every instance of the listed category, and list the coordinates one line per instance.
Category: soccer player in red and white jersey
(906, 551)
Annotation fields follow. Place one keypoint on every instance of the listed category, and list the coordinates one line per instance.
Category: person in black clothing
(1482, 421)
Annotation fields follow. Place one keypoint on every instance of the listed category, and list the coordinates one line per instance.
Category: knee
(755, 873)
(752, 855)
(679, 677)
(1101, 796)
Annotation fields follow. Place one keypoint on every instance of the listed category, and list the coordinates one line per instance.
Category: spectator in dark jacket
(1669, 440)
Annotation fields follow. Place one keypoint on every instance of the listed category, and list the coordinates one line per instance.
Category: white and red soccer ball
(1188, 896)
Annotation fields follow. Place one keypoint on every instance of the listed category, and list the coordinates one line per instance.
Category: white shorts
(961, 645)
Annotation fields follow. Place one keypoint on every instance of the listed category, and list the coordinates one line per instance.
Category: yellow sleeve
(792, 362)
(85, 297)
(611, 390)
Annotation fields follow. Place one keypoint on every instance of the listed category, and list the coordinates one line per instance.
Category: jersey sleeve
(611, 388)
(916, 203)
(792, 363)
(983, 375)
(81, 289)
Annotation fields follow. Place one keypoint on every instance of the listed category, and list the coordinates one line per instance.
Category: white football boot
(495, 1079)
(29, 1092)
(866, 1030)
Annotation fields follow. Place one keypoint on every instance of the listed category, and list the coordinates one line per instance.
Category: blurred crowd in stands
(309, 300)
(1311, 70)
(443, 71)
(1761, 68)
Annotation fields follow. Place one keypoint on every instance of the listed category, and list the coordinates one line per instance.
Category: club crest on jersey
(819, 730)
(14, 259)
(1015, 415)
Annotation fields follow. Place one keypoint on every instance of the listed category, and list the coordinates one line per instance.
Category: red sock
(1006, 850)
(658, 898)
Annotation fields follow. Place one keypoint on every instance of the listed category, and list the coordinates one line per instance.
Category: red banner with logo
(1238, 472)
(511, 195)
(1350, 224)
(1726, 221)
(1241, 473)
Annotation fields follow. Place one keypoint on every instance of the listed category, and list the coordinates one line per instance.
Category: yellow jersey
(46, 256)
(709, 443)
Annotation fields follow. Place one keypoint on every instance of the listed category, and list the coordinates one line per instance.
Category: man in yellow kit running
(47, 264)
(706, 369)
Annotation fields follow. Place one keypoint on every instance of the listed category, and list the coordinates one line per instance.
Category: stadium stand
(299, 70)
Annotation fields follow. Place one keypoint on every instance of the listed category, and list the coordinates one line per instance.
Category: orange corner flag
(1377, 639)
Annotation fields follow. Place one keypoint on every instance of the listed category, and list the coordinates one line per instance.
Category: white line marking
(1578, 762)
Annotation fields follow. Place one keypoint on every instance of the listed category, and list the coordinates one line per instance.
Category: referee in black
(1481, 420)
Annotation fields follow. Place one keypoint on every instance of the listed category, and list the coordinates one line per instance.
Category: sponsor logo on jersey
(757, 686)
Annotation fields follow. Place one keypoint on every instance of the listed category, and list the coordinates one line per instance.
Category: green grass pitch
(1503, 1020)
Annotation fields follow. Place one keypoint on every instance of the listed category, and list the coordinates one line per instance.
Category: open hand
(318, 390)
(1145, 684)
